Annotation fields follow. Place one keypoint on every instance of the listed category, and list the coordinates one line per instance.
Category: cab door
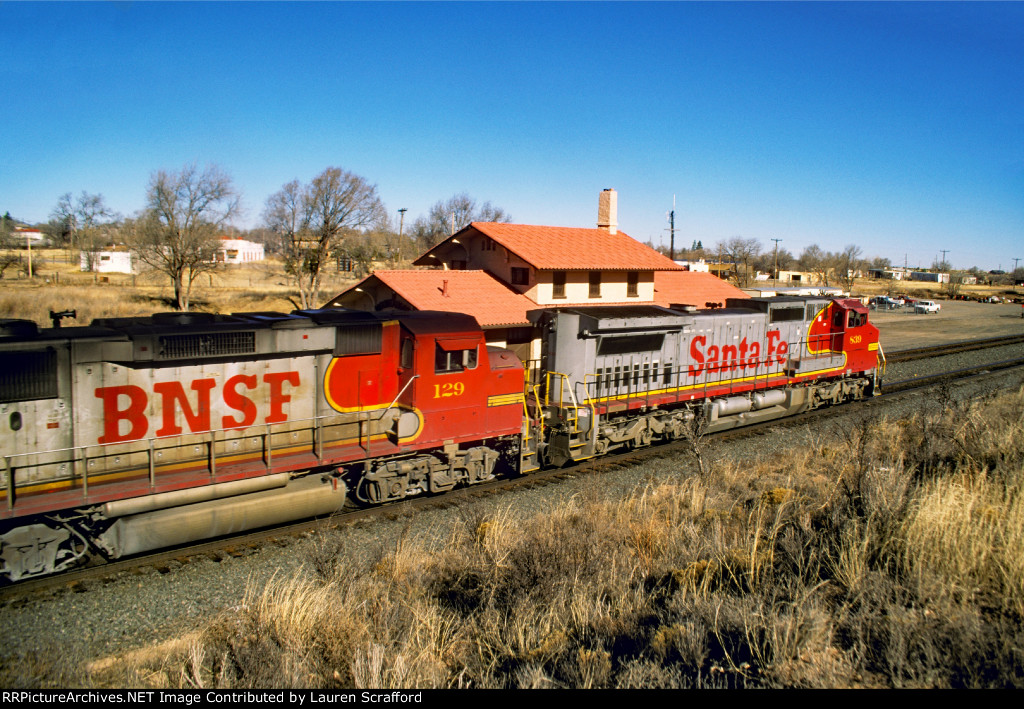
(453, 389)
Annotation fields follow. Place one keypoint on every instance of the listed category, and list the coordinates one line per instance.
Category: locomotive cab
(854, 335)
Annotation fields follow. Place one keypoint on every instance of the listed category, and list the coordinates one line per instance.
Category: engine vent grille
(358, 339)
(27, 376)
(213, 344)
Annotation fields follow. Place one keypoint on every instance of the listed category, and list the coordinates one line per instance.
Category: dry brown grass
(62, 286)
(887, 555)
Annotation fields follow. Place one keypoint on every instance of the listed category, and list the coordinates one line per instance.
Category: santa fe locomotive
(133, 434)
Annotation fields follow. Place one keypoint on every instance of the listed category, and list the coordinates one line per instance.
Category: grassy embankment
(889, 554)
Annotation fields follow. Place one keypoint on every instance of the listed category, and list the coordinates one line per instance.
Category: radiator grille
(26, 376)
(358, 340)
(214, 344)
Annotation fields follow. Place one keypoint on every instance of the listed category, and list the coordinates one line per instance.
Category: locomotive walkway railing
(78, 458)
(639, 382)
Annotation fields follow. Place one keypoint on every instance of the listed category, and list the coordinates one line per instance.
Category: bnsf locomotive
(133, 434)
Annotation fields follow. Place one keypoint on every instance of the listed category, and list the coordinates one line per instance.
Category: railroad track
(952, 348)
(167, 560)
(903, 385)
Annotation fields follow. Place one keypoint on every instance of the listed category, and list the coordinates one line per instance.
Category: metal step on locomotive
(133, 434)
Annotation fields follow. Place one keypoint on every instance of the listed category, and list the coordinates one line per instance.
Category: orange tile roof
(476, 293)
(692, 288)
(568, 248)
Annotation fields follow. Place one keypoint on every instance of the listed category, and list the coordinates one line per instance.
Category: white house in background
(238, 251)
(114, 261)
(26, 234)
(700, 266)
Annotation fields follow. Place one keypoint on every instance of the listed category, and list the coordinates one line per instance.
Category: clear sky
(899, 127)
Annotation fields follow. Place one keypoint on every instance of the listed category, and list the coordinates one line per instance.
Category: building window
(595, 284)
(520, 276)
(632, 284)
(488, 244)
(558, 284)
(458, 265)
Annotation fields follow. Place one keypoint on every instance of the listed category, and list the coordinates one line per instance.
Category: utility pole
(775, 273)
(1015, 264)
(672, 231)
(944, 252)
(401, 223)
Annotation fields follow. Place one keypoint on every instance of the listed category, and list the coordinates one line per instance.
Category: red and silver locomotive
(139, 433)
(133, 434)
(617, 377)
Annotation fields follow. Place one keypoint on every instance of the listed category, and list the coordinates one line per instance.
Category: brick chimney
(608, 211)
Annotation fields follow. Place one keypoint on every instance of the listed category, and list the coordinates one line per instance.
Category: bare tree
(8, 256)
(283, 215)
(313, 221)
(449, 216)
(743, 253)
(82, 222)
(814, 260)
(951, 289)
(847, 264)
(177, 232)
(768, 260)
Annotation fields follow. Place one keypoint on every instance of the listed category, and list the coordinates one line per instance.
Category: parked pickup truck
(927, 306)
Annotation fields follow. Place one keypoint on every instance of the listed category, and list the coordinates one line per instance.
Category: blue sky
(899, 127)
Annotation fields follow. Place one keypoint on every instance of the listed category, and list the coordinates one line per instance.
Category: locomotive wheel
(643, 438)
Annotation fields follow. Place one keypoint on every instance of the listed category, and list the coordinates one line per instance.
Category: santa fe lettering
(733, 357)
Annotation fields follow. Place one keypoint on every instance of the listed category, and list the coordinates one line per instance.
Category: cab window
(405, 359)
(857, 319)
(447, 359)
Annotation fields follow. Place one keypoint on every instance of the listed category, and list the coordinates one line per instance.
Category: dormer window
(520, 276)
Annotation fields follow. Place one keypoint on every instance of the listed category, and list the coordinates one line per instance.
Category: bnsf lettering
(124, 407)
(730, 358)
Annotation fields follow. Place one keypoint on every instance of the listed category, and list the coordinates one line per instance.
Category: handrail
(211, 431)
(398, 396)
(78, 456)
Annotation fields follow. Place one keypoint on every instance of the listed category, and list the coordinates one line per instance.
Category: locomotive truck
(133, 434)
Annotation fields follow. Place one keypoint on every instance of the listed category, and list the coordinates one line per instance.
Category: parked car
(883, 302)
(927, 306)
